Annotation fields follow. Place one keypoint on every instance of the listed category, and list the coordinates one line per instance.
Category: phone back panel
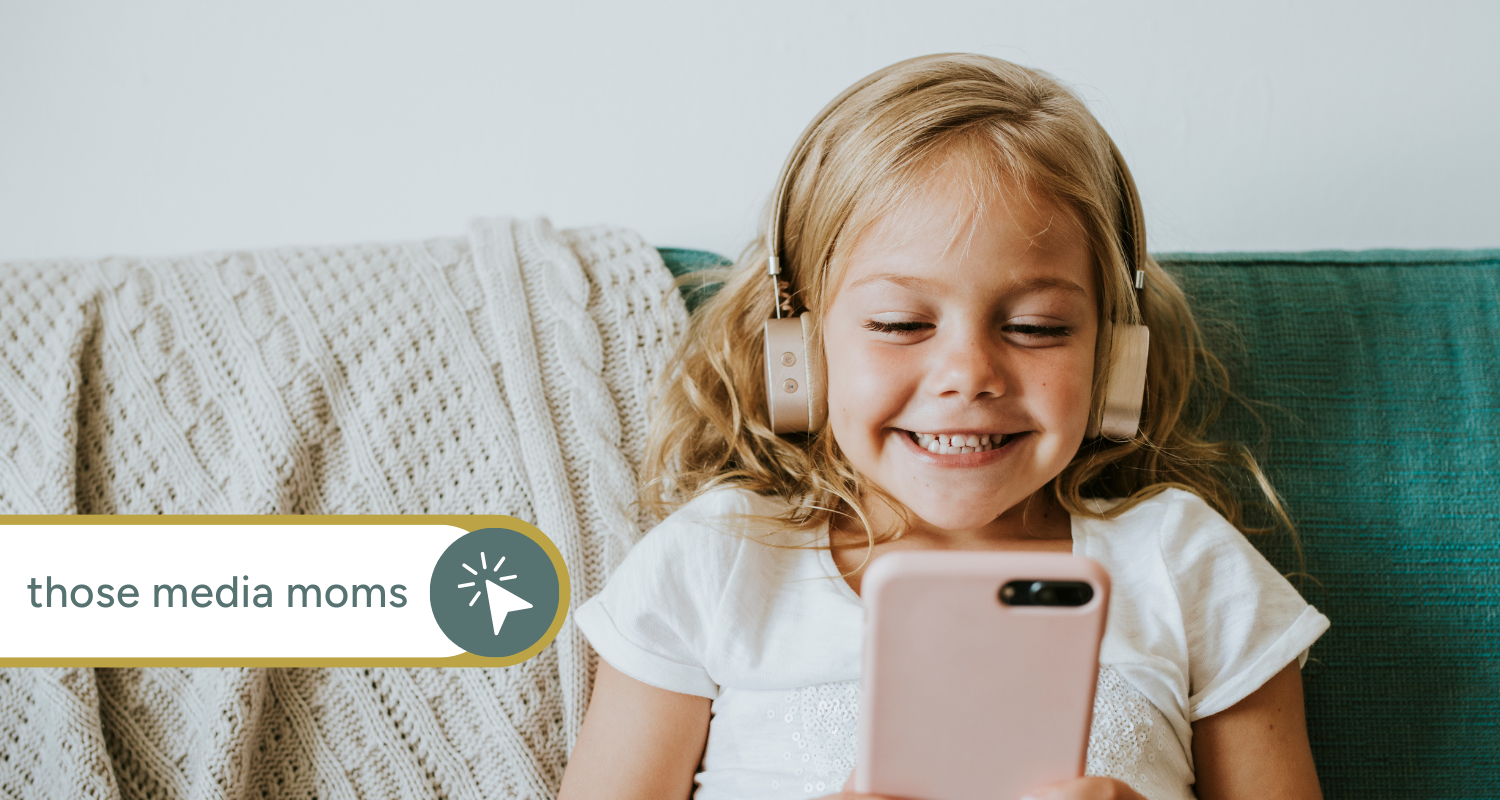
(964, 697)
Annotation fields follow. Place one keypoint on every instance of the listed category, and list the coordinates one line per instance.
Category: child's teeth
(957, 444)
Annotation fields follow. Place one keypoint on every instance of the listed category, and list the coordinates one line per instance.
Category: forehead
(962, 224)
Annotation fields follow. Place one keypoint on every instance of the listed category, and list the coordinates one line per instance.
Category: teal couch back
(1375, 377)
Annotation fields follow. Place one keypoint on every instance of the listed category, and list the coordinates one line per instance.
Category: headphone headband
(1133, 238)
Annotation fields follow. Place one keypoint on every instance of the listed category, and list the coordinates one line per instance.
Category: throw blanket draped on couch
(504, 373)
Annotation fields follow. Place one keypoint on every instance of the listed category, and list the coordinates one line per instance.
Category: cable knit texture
(502, 373)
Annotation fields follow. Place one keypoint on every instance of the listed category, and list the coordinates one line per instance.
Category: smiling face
(960, 352)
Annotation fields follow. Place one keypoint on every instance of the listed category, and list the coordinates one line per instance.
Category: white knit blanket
(504, 373)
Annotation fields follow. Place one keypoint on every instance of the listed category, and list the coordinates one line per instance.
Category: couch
(1371, 387)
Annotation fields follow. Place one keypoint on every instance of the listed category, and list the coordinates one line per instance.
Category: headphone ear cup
(817, 392)
(795, 398)
(1125, 385)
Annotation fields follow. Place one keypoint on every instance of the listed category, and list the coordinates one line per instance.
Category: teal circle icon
(495, 592)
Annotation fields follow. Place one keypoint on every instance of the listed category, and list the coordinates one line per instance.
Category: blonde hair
(870, 155)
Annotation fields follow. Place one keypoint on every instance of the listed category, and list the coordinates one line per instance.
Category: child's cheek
(867, 388)
(1062, 381)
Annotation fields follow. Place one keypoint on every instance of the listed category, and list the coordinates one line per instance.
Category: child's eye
(895, 327)
(1040, 331)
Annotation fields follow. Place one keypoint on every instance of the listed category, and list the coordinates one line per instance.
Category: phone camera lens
(1046, 593)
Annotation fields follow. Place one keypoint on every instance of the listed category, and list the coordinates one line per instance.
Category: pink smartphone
(979, 672)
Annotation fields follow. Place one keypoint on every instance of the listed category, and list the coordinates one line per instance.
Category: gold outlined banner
(269, 591)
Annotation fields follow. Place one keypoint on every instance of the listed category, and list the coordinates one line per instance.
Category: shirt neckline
(825, 556)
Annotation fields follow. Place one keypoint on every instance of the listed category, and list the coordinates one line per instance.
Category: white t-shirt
(1198, 620)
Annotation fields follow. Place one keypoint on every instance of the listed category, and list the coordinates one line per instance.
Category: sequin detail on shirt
(1129, 739)
(818, 747)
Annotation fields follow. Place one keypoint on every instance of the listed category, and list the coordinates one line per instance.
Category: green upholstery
(1376, 377)
(1382, 374)
(683, 262)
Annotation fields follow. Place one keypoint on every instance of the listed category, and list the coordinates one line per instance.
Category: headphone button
(789, 386)
(787, 360)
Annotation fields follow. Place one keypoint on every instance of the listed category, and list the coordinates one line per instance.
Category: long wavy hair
(1006, 125)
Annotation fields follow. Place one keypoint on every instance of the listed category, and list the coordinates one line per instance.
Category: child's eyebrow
(920, 284)
(906, 281)
(1041, 284)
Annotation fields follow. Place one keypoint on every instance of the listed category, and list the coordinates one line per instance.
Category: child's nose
(972, 367)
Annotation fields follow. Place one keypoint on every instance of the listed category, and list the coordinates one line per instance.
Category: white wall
(161, 126)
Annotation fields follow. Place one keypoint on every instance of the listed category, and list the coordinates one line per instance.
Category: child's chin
(957, 515)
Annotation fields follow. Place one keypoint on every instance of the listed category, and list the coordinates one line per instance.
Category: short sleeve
(1242, 620)
(653, 619)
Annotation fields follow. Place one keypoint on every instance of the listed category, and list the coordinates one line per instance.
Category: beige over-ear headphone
(796, 398)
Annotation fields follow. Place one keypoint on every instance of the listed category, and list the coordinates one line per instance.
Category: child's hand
(1076, 789)
(848, 793)
(1085, 789)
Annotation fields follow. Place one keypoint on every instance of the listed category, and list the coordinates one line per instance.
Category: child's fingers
(1084, 789)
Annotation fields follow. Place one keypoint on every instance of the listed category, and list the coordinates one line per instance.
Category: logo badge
(495, 592)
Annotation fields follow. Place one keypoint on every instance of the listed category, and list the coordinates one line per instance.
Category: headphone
(797, 400)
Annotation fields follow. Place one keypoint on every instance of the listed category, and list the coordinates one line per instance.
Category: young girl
(966, 242)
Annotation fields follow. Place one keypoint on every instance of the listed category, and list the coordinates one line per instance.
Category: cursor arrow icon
(501, 603)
